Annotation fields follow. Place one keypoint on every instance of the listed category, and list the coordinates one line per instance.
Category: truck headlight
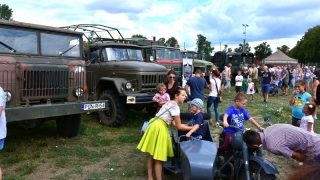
(78, 92)
(128, 85)
(8, 96)
(79, 69)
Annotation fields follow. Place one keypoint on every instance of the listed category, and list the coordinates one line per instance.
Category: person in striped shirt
(288, 141)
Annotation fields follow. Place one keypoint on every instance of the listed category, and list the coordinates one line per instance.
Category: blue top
(285, 72)
(197, 85)
(236, 117)
(266, 77)
(299, 101)
(197, 119)
(307, 75)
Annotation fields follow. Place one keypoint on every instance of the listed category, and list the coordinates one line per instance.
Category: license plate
(93, 106)
(131, 99)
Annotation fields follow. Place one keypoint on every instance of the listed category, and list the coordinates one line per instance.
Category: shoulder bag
(147, 123)
(219, 95)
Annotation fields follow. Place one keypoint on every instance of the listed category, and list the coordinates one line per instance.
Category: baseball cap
(197, 102)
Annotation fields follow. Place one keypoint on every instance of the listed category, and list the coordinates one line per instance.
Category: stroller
(274, 88)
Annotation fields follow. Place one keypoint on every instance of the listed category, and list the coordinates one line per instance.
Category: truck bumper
(139, 98)
(53, 110)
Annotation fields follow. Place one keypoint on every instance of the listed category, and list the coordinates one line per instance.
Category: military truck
(237, 59)
(44, 76)
(156, 52)
(121, 76)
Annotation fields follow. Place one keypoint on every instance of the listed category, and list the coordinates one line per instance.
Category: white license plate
(131, 99)
(93, 106)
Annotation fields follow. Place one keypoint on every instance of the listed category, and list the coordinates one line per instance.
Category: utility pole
(245, 35)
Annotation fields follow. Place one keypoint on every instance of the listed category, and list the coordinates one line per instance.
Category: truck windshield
(172, 54)
(60, 45)
(19, 41)
(123, 54)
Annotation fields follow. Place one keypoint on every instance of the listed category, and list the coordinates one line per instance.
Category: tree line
(306, 50)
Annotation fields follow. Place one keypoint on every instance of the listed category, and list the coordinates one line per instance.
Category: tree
(172, 42)
(138, 36)
(204, 47)
(5, 12)
(229, 50)
(307, 48)
(284, 48)
(263, 50)
(162, 40)
(240, 48)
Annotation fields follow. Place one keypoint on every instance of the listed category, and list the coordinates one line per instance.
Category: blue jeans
(2, 143)
(214, 100)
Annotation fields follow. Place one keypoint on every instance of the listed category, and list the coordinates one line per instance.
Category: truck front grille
(45, 84)
(151, 81)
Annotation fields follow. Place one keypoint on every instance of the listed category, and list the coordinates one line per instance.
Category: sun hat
(197, 102)
(306, 67)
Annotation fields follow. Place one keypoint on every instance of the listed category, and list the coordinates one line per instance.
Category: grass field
(101, 152)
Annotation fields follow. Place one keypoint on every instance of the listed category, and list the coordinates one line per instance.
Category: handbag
(219, 95)
(146, 124)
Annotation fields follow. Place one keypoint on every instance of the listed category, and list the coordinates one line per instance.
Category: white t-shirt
(237, 79)
(3, 121)
(304, 122)
(173, 111)
(214, 91)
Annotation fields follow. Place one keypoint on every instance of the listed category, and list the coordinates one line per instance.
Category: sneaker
(315, 117)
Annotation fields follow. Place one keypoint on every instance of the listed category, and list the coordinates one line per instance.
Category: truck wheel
(68, 126)
(116, 114)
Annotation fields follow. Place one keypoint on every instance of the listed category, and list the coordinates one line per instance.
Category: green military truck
(44, 76)
(121, 76)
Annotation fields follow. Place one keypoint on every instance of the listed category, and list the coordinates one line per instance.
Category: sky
(220, 21)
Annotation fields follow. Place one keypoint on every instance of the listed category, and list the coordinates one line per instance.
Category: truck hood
(136, 66)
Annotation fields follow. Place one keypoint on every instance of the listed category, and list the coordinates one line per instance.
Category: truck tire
(116, 114)
(68, 126)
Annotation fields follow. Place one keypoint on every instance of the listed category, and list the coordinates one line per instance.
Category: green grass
(102, 152)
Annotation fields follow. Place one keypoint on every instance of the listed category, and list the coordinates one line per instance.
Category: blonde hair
(249, 80)
(161, 86)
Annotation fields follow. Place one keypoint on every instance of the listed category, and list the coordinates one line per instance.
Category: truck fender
(267, 166)
(116, 82)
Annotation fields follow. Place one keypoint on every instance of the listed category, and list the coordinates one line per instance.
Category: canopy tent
(279, 58)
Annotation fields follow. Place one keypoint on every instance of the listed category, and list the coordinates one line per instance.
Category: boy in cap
(197, 119)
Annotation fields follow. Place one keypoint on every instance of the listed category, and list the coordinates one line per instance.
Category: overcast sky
(275, 22)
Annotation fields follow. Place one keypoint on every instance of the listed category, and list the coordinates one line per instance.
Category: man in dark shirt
(197, 84)
(265, 81)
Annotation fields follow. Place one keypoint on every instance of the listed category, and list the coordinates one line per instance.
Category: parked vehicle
(44, 76)
(156, 52)
(197, 159)
(120, 74)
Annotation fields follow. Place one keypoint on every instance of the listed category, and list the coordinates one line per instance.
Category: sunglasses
(172, 77)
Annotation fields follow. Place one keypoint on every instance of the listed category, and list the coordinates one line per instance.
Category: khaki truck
(120, 74)
(44, 76)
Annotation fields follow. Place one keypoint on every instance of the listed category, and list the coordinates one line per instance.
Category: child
(161, 97)
(197, 119)
(298, 99)
(250, 89)
(307, 120)
(239, 79)
(235, 115)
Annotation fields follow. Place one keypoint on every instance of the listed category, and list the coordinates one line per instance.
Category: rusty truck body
(44, 76)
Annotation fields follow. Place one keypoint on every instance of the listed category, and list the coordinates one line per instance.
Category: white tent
(279, 58)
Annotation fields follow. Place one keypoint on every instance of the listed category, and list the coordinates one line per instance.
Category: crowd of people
(296, 141)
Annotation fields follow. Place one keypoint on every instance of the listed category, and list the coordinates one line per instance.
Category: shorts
(227, 84)
(294, 121)
(223, 82)
(317, 101)
(285, 84)
(238, 89)
(2, 143)
(265, 88)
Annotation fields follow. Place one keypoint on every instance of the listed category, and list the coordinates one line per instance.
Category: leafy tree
(5, 12)
(172, 42)
(307, 48)
(263, 50)
(138, 36)
(204, 47)
(240, 48)
(284, 48)
(162, 40)
(229, 50)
